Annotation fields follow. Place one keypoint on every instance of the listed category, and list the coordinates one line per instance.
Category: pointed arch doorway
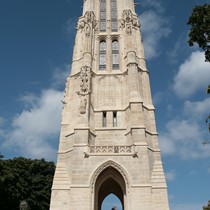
(109, 181)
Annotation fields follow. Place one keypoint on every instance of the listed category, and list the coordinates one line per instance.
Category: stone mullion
(109, 54)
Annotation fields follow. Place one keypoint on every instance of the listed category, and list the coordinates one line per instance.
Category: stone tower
(108, 140)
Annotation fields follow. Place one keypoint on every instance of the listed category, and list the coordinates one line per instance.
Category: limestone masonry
(108, 140)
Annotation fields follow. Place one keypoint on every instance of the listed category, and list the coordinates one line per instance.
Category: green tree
(25, 179)
(207, 207)
(200, 28)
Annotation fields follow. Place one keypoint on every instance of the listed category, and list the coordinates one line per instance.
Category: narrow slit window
(102, 56)
(114, 24)
(103, 16)
(115, 55)
(114, 119)
(104, 119)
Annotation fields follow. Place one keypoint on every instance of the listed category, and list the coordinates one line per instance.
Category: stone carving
(83, 103)
(87, 23)
(129, 21)
(111, 149)
(85, 75)
(23, 205)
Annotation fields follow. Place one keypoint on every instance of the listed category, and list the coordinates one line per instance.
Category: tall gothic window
(103, 16)
(114, 15)
(104, 119)
(102, 55)
(115, 54)
(114, 119)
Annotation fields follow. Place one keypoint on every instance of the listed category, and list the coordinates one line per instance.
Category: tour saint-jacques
(108, 138)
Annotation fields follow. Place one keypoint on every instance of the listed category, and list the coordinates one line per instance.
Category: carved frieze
(87, 23)
(129, 21)
(110, 149)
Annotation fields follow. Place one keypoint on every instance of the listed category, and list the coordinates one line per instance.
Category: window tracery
(103, 16)
(102, 55)
(114, 24)
(115, 54)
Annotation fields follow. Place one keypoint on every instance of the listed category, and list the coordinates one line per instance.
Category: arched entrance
(109, 181)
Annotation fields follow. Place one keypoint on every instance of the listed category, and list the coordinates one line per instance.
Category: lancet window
(114, 15)
(102, 55)
(103, 15)
(114, 119)
(115, 54)
(104, 119)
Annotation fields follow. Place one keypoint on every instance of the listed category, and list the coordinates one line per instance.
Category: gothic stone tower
(108, 141)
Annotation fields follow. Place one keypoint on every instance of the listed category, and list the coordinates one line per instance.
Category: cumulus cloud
(184, 138)
(192, 75)
(34, 129)
(154, 27)
(197, 109)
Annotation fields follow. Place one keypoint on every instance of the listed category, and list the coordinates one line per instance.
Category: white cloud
(154, 28)
(198, 109)
(36, 126)
(183, 138)
(170, 176)
(188, 206)
(192, 75)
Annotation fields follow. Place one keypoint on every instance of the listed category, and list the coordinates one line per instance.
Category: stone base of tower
(82, 198)
(84, 182)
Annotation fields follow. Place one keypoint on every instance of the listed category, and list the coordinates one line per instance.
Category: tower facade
(108, 139)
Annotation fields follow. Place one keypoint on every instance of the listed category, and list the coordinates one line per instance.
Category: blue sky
(36, 43)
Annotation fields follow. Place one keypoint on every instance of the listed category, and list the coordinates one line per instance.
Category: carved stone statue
(129, 21)
(23, 205)
(85, 75)
(87, 23)
(83, 104)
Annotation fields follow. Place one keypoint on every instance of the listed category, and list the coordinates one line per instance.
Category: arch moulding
(105, 165)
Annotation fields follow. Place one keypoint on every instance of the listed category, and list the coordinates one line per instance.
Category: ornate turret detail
(129, 21)
(87, 23)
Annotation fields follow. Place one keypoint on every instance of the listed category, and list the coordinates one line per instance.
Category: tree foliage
(25, 179)
(200, 28)
(208, 118)
(207, 207)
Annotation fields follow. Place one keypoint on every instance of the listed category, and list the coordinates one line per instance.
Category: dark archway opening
(109, 181)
